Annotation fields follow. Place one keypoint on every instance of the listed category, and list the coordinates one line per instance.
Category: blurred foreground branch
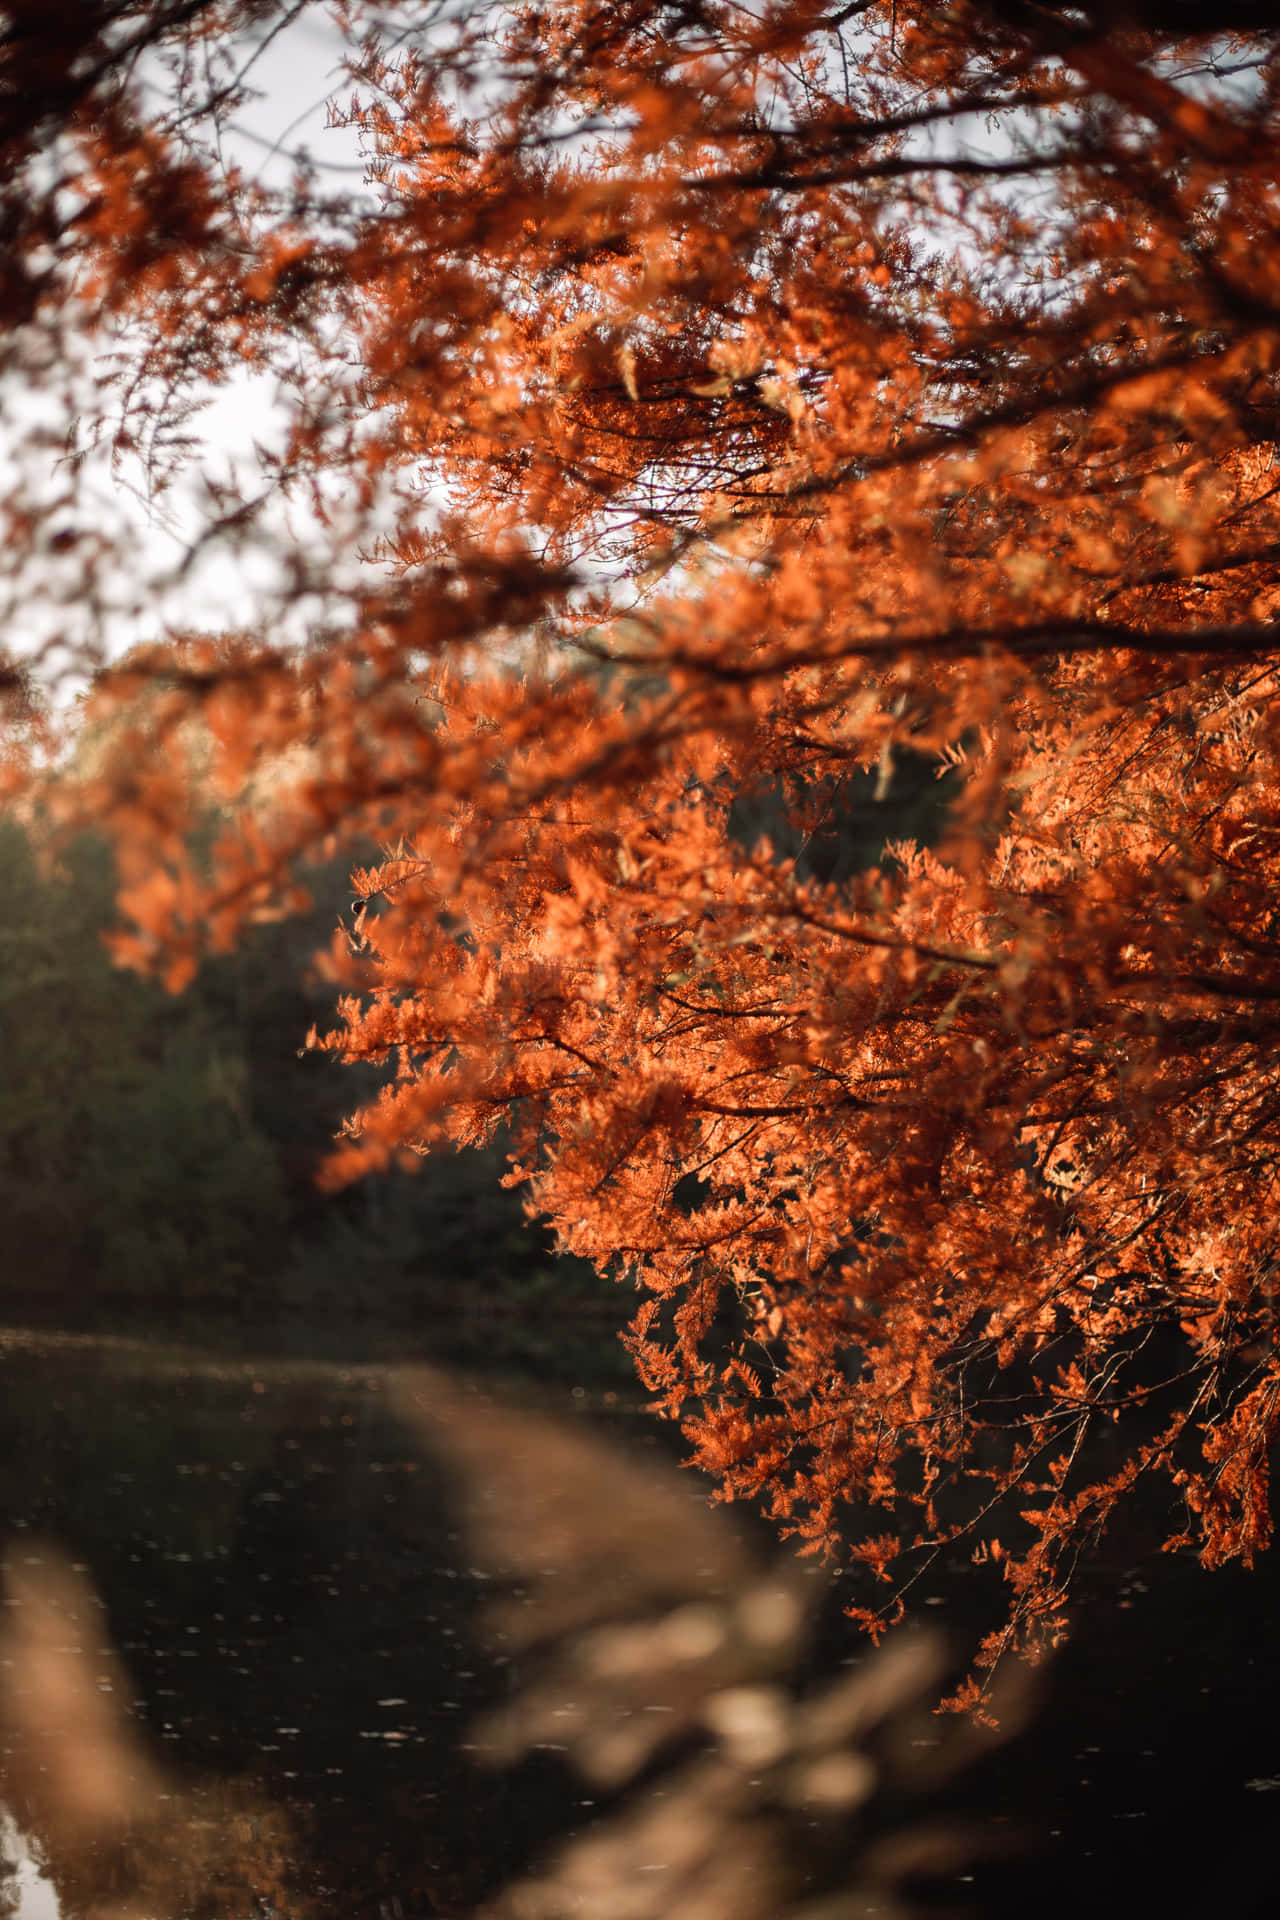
(644, 1643)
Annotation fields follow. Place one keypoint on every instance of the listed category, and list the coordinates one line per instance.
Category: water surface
(294, 1603)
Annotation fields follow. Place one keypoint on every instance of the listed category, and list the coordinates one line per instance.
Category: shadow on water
(313, 1601)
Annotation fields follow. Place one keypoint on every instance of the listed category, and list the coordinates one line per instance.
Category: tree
(134, 1106)
(158, 1153)
(727, 402)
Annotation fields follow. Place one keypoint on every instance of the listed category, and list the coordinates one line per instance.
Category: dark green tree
(130, 1161)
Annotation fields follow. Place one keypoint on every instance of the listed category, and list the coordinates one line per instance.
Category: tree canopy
(699, 402)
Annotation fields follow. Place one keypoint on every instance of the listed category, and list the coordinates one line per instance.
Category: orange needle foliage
(726, 399)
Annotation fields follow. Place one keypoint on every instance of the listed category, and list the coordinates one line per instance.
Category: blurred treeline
(158, 1153)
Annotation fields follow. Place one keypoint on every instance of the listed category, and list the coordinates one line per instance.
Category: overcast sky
(295, 77)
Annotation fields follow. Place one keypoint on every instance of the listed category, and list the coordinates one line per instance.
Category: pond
(273, 1578)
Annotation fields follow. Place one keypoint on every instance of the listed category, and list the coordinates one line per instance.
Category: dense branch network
(724, 402)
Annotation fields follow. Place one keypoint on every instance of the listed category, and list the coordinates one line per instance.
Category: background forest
(189, 1130)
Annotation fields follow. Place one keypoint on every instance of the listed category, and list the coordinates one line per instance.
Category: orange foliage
(740, 398)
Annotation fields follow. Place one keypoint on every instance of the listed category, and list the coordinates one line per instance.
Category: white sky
(45, 596)
(295, 77)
